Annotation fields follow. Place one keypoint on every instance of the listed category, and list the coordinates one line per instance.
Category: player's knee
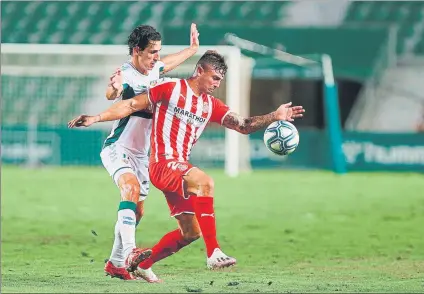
(206, 186)
(130, 192)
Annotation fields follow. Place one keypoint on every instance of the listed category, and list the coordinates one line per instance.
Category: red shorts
(167, 176)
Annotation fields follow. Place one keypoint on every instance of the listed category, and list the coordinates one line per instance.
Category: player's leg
(113, 160)
(121, 166)
(143, 179)
(117, 255)
(115, 266)
(130, 193)
(202, 185)
(187, 232)
(168, 178)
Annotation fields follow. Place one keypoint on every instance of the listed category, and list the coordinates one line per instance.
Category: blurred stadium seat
(86, 22)
(96, 22)
(57, 96)
(408, 15)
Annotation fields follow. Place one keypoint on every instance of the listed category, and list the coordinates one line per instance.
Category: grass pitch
(290, 231)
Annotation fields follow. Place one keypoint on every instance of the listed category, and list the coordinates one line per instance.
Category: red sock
(205, 215)
(168, 245)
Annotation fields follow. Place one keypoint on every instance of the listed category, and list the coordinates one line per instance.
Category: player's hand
(83, 121)
(115, 81)
(194, 37)
(288, 112)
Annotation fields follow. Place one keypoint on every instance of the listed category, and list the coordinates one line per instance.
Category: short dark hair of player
(142, 36)
(214, 60)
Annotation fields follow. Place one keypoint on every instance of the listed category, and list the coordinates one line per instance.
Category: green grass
(291, 231)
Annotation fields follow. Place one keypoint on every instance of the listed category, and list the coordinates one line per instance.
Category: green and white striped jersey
(133, 132)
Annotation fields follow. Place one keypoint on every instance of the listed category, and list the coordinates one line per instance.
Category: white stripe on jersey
(201, 128)
(169, 118)
(183, 126)
(199, 110)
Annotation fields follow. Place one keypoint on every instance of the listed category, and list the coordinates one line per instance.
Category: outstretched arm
(118, 110)
(252, 124)
(173, 60)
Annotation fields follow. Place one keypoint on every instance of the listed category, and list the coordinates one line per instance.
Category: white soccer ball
(281, 137)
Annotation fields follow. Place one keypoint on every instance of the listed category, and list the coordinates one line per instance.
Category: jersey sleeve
(161, 91)
(127, 75)
(219, 111)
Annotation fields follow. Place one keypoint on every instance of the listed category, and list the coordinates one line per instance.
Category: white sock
(126, 223)
(117, 255)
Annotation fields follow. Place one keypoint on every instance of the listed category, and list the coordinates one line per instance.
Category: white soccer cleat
(219, 259)
(146, 274)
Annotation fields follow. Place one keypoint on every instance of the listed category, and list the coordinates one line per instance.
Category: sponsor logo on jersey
(174, 165)
(182, 167)
(189, 117)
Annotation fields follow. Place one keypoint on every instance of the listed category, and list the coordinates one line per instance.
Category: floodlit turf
(291, 231)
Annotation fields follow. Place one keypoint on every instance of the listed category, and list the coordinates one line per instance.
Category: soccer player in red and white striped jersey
(182, 109)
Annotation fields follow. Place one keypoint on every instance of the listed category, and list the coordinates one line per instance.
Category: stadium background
(377, 49)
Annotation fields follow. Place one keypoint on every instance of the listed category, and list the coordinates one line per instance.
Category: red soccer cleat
(136, 256)
(117, 272)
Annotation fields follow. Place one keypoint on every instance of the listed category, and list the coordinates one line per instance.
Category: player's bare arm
(118, 110)
(114, 88)
(252, 124)
(173, 60)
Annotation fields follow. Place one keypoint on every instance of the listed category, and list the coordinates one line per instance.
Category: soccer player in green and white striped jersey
(125, 150)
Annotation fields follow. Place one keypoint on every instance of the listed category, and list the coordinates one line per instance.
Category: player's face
(210, 79)
(150, 55)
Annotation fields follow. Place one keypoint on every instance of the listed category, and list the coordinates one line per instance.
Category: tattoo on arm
(248, 125)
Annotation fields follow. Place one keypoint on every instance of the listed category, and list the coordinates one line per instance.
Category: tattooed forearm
(248, 125)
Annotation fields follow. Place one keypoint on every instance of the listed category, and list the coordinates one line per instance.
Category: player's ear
(136, 50)
(200, 70)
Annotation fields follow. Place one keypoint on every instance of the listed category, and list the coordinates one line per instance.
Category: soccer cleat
(147, 275)
(136, 256)
(219, 259)
(117, 272)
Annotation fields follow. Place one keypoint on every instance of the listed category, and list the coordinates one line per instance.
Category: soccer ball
(281, 137)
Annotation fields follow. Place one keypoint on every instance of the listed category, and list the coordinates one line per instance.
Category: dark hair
(142, 36)
(214, 60)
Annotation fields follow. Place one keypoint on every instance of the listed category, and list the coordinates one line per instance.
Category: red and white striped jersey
(179, 119)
